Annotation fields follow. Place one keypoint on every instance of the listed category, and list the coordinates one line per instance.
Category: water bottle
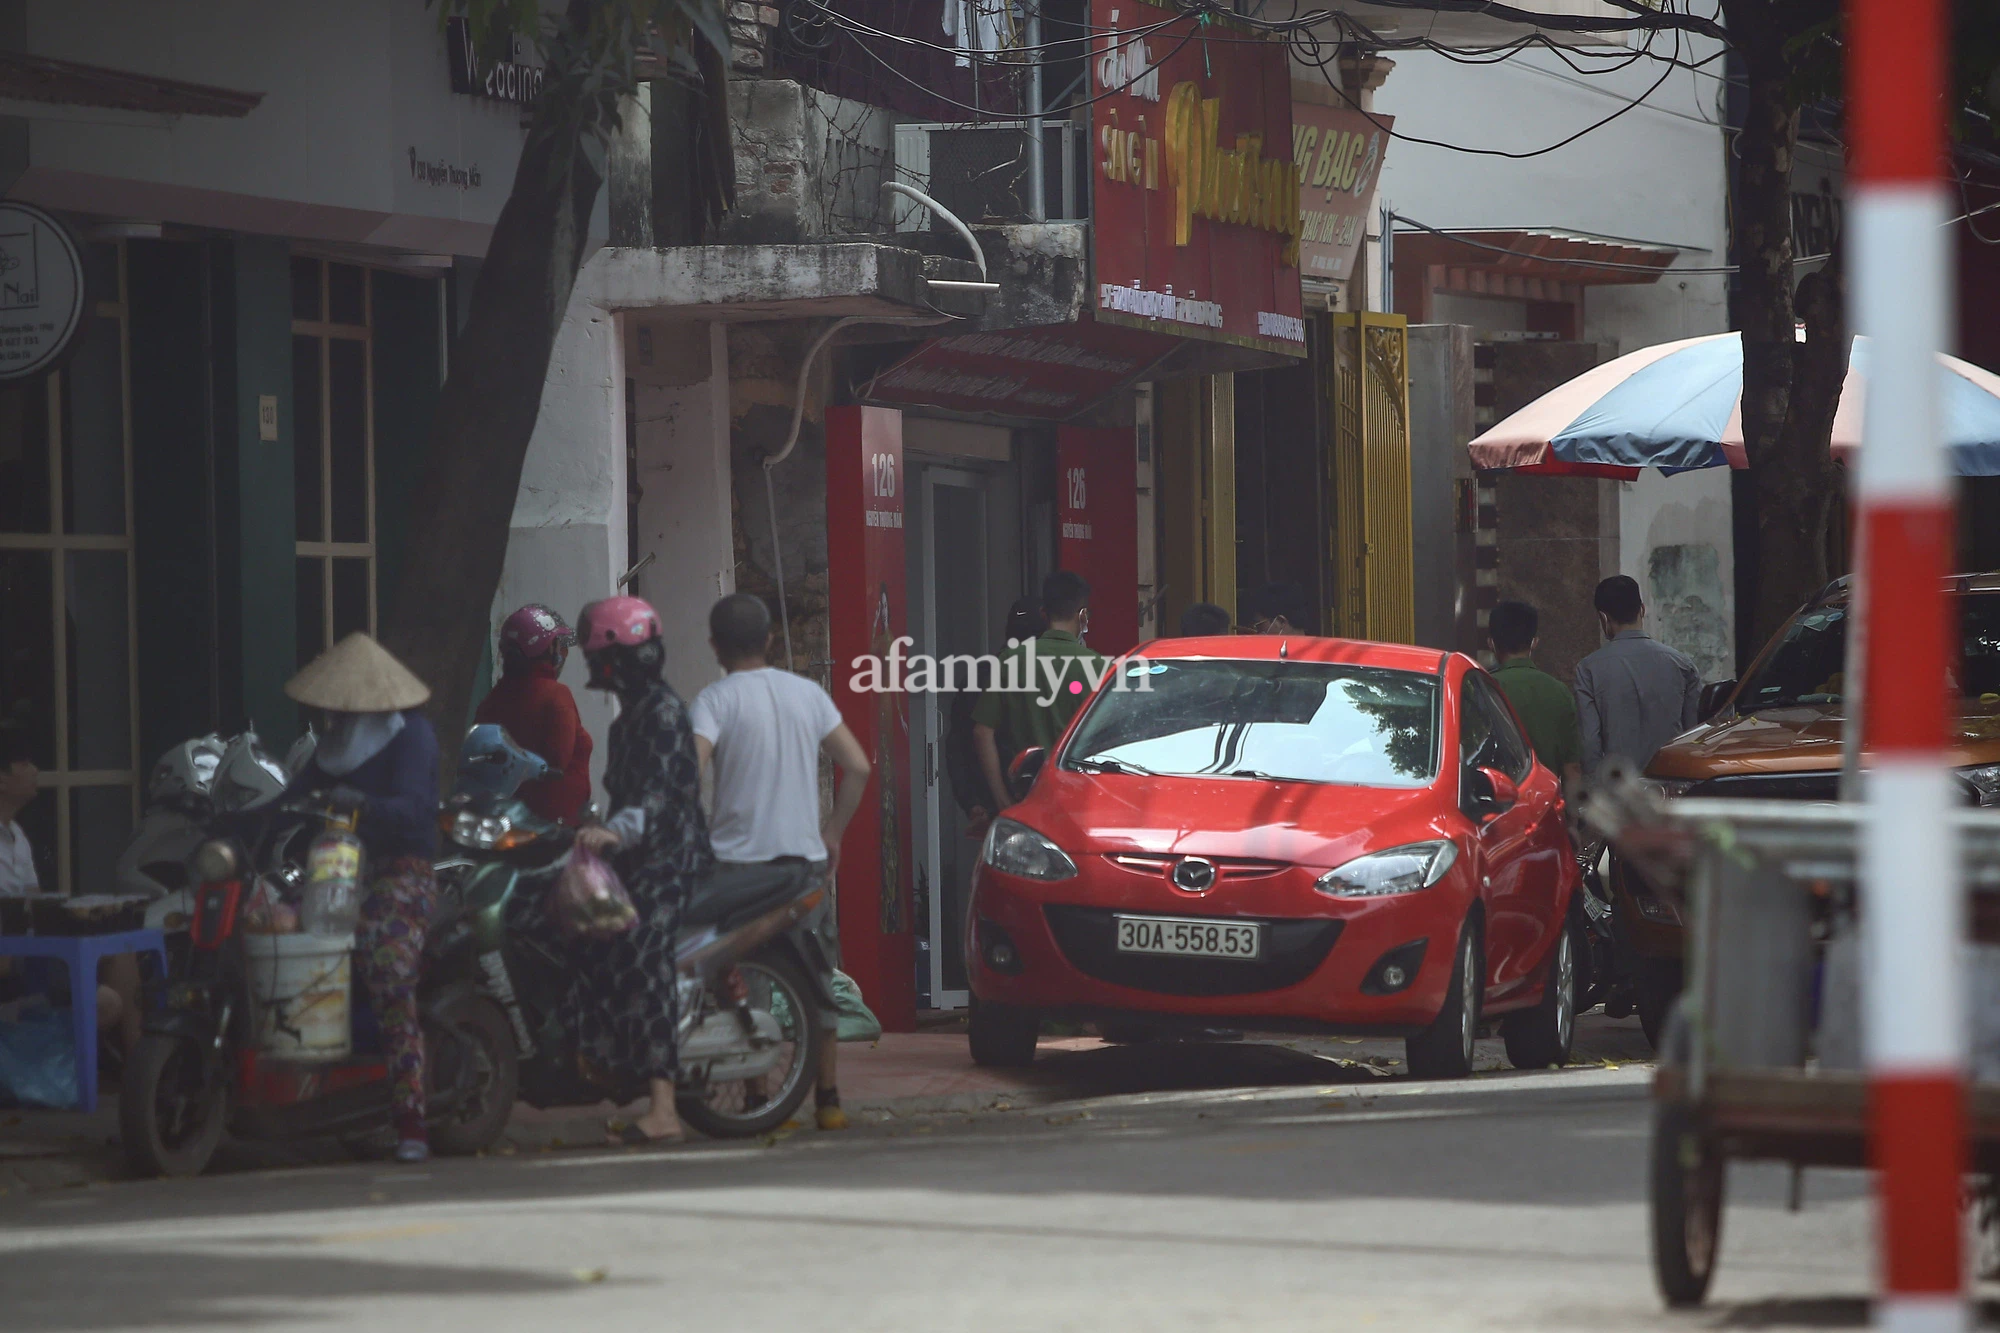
(333, 879)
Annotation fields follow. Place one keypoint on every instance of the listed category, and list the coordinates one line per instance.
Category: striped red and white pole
(1912, 907)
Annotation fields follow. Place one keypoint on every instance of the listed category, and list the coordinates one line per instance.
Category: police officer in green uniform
(1042, 682)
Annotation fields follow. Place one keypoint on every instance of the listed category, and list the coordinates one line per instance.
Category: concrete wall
(568, 541)
(680, 375)
(1440, 426)
(1655, 175)
(1674, 537)
(808, 164)
(357, 100)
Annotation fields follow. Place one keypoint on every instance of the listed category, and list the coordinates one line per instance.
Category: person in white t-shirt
(760, 732)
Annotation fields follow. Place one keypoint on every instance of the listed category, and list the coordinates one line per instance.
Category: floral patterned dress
(624, 1002)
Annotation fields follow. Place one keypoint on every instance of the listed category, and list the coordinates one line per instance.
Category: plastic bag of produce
(857, 1022)
(588, 902)
(37, 1060)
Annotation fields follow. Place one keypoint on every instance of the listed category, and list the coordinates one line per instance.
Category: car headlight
(1670, 787)
(1984, 779)
(1016, 849)
(483, 832)
(1397, 870)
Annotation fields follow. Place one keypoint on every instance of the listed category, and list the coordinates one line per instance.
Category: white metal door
(956, 622)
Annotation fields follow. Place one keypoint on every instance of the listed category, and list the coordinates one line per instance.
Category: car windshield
(1810, 662)
(1293, 721)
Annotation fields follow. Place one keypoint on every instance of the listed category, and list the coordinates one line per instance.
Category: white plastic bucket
(299, 988)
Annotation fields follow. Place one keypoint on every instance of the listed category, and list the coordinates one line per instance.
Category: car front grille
(1771, 787)
(1292, 949)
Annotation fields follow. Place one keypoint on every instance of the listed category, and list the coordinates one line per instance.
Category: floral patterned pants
(395, 912)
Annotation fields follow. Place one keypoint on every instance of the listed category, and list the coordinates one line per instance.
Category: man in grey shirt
(1634, 694)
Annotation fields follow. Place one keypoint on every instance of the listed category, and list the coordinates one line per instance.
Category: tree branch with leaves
(596, 54)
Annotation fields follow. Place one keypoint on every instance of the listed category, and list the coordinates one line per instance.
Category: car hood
(1302, 823)
(1802, 739)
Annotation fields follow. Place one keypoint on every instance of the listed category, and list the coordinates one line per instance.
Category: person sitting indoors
(1205, 620)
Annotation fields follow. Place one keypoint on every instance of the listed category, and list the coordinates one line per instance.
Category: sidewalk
(903, 1074)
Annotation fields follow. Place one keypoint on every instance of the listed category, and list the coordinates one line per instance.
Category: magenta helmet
(618, 620)
(536, 633)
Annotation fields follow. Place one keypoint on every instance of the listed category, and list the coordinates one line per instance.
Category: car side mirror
(1489, 792)
(1713, 696)
(1021, 774)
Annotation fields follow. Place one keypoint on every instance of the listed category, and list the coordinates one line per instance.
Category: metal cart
(1761, 1058)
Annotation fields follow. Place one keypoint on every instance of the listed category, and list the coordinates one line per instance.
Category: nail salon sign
(41, 290)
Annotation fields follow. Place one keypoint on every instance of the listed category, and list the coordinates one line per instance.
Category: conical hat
(357, 675)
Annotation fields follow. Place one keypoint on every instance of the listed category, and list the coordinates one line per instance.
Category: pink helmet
(618, 620)
(535, 632)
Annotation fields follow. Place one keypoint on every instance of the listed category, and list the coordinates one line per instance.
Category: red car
(1283, 834)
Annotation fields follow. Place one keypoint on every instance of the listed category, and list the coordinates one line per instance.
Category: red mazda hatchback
(1283, 834)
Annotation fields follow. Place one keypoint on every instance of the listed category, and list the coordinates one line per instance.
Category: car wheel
(1541, 1037)
(1001, 1036)
(1444, 1049)
(1656, 985)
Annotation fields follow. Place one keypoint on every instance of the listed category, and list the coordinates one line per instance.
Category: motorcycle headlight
(1984, 779)
(1397, 870)
(1016, 849)
(216, 861)
(481, 832)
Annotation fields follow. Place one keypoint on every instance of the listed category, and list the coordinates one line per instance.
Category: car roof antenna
(1284, 646)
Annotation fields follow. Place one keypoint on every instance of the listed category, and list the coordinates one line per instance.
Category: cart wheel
(1687, 1205)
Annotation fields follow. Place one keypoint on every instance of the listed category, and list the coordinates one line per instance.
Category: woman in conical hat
(375, 742)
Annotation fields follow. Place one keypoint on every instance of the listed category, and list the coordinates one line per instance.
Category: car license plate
(1188, 937)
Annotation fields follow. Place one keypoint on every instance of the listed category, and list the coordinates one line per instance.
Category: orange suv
(1776, 735)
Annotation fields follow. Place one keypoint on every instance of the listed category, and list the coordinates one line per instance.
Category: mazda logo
(1195, 875)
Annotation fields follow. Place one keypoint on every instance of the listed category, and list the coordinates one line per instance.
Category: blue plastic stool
(82, 953)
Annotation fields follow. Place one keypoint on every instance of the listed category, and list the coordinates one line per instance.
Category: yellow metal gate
(1368, 471)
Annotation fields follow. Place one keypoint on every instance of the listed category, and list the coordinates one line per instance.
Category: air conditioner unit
(981, 172)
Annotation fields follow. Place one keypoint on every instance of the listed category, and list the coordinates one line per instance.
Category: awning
(28, 78)
(1532, 264)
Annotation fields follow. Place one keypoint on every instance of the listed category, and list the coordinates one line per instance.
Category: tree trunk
(439, 619)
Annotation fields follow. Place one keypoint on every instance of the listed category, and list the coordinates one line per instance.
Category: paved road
(1507, 1202)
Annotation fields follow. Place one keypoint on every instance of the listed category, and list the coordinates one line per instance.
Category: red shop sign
(1098, 495)
(1195, 213)
(1052, 373)
(866, 615)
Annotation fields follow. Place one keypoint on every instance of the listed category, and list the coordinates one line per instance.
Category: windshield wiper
(1259, 773)
(1106, 764)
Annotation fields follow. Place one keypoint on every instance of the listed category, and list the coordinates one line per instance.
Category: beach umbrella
(1679, 406)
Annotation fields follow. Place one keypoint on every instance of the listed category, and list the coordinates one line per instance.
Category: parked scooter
(750, 1036)
(191, 785)
(242, 1054)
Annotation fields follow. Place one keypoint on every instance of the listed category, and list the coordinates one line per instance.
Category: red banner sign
(1098, 502)
(1339, 152)
(1195, 215)
(1052, 373)
(867, 612)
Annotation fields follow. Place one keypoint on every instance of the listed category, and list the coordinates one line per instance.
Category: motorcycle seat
(736, 892)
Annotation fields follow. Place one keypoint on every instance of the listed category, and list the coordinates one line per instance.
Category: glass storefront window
(334, 452)
(93, 430)
(24, 456)
(66, 613)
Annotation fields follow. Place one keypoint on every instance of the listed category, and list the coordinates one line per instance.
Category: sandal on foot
(634, 1137)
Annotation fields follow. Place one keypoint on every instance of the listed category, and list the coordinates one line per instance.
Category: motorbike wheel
(170, 1115)
(481, 1053)
(731, 1110)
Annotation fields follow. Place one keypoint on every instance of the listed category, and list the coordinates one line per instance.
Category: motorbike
(205, 1068)
(192, 784)
(750, 1032)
